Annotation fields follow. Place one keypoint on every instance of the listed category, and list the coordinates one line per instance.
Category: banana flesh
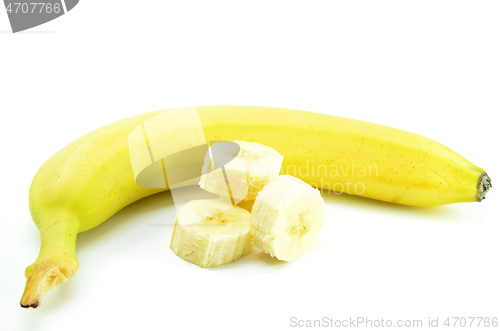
(286, 221)
(211, 233)
(287, 218)
(251, 168)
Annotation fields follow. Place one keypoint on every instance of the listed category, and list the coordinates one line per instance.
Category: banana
(251, 167)
(211, 233)
(287, 218)
(91, 179)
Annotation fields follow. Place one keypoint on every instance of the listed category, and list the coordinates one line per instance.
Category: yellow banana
(89, 180)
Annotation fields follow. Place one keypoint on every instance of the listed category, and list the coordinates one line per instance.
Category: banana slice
(211, 233)
(239, 173)
(287, 218)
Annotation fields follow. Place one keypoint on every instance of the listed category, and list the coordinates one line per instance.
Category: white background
(430, 67)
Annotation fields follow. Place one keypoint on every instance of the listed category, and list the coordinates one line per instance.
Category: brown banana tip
(31, 305)
(44, 276)
(483, 186)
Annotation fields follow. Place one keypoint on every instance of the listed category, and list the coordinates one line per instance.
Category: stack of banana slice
(282, 214)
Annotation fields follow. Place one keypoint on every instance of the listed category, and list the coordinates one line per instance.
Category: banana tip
(31, 305)
(483, 186)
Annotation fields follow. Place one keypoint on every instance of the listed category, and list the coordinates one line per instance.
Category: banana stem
(56, 262)
(45, 276)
